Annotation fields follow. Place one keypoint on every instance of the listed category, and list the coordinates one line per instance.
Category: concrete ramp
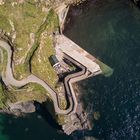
(77, 53)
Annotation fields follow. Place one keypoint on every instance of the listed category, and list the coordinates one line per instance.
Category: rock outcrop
(19, 109)
(137, 2)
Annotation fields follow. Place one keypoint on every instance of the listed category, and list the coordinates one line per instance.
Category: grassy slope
(40, 62)
(3, 61)
(4, 23)
(30, 92)
(27, 20)
(2, 97)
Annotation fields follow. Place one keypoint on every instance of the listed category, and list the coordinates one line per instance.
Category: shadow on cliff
(33, 126)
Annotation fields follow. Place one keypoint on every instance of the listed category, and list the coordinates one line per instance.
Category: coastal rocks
(78, 121)
(96, 115)
(21, 108)
(137, 2)
(75, 122)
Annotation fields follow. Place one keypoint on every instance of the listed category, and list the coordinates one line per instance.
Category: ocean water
(30, 127)
(110, 30)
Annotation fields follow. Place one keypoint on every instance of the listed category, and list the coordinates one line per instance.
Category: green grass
(63, 104)
(3, 97)
(53, 21)
(60, 119)
(1, 62)
(30, 92)
(4, 23)
(4, 62)
(41, 29)
(27, 18)
(40, 61)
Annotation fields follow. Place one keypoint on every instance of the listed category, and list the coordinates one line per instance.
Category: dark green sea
(110, 30)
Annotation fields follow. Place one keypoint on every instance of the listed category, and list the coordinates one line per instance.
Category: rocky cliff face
(24, 32)
(50, 2)
(27, 26)
(59, 2)
(137, 2)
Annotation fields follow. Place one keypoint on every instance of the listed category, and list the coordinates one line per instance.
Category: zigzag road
(8, 79)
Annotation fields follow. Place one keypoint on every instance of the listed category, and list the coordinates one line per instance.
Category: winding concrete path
(9, 79)
(72, 78)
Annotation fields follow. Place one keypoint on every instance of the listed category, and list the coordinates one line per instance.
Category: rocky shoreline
(84, 120)
(137, 2)
(22, 108)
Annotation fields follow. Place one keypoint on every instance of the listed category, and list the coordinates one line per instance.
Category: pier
(70, 48)
(67, 49)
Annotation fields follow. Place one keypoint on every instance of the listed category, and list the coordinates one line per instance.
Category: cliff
(29, 43)
(31, 37)
(137, 2)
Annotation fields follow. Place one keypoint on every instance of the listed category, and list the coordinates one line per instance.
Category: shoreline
(9, 79)
(76, 10)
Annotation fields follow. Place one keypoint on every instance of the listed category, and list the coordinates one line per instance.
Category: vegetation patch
(30, 92)
(3, 60)
(3, 97)
(24, 20)
(106, 70)
(4, 23)
(27, 18)
(40, 61)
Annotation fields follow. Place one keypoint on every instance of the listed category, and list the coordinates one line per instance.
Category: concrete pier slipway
(70, 48)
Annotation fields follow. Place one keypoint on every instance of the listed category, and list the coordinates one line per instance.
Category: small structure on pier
(53, 60)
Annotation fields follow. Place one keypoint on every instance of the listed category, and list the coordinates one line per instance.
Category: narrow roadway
(8, 79)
